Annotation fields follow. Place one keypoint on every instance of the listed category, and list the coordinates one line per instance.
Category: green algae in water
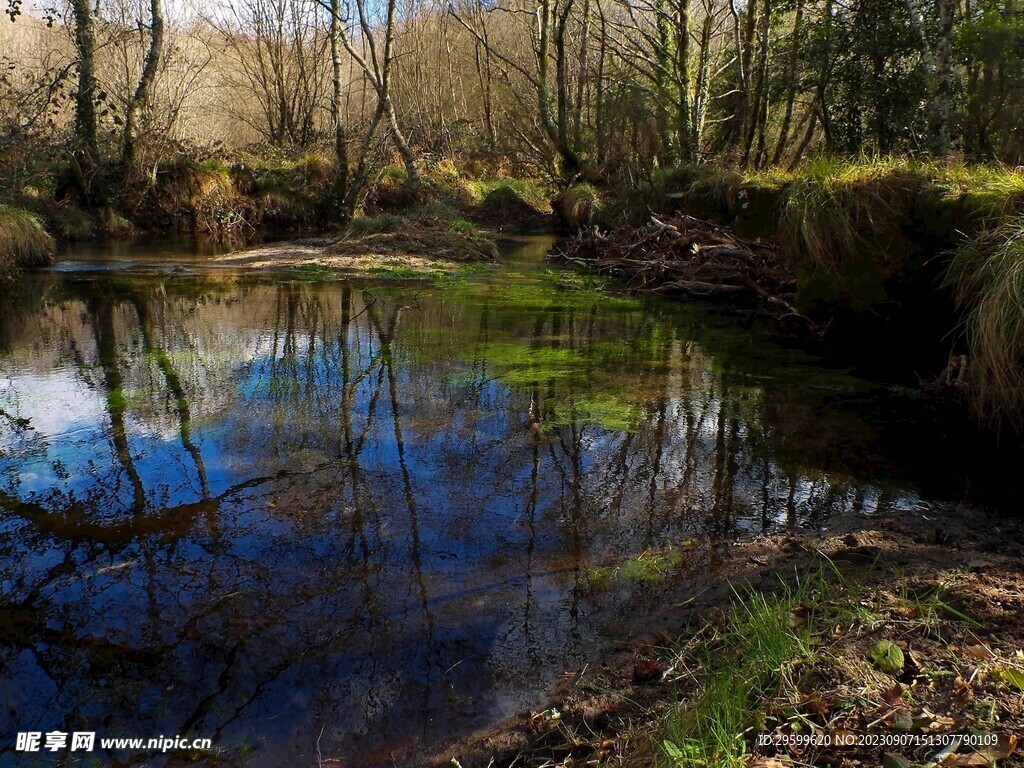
(604, 410)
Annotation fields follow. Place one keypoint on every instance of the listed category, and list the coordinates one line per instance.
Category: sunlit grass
(23, 239)
(646, 568)
(741, 665)
(987, 277)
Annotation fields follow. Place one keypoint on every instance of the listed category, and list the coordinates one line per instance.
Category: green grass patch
(646, 568)
(740, 667)
(373, 225)
(395, 272)
(581, 205)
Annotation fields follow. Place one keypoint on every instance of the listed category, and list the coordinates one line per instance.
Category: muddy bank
(944, 586)
(402, 246)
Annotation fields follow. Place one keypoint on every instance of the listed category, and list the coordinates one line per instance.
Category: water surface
(362, 517)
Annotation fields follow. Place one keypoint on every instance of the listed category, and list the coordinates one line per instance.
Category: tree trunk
(85, 100)
(144, 91)
(791, 85)
(338, 109)
(757, 103)
(683, 106)
(412, 169)
(940, 108)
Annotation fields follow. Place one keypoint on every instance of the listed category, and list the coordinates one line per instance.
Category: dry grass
(833, 209)
(581, 205)
(987, 277)
(23, 240)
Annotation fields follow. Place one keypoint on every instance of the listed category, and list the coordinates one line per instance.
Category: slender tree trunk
(143, 97)
(702, 91)
(683, 103)
(338, 109)
(745, 45)
(759, 99)
(940, 111)
(791, 83)
(412, 168)
(355, 186)
(662, 67)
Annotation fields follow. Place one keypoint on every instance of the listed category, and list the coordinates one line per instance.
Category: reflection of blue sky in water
(231, 512)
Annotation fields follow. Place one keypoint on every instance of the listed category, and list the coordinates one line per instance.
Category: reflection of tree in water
(325, 508)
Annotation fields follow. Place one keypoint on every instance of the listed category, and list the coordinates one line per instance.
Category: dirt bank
(316, 253)
(416, 250)
(944, 586)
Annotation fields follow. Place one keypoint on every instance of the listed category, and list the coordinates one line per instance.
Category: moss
(24, 242)
(395, 271)
(519, 364)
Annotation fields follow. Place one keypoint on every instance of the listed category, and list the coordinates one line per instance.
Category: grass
(24, 242)
(581, 205)
(987, 278)
(372, 225)
(646, 568)
(434, 230)
(741, 666)
(832, 210)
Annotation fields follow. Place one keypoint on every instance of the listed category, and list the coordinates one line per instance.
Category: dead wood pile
(687, 257)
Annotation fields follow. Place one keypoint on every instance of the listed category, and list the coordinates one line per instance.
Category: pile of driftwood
(686, 257)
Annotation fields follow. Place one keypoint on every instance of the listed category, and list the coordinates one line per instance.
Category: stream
(310, 517)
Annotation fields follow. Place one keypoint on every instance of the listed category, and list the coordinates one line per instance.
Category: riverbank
(910, 267)
(890, 632)
(238, 197)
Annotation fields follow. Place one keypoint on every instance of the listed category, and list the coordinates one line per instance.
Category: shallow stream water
(354, 519)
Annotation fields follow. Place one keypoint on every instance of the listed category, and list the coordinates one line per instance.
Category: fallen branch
(684, 256)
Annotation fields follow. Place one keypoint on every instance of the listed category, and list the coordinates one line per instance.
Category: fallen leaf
(902, 720)
(969, 760)
(979, 652)
(1014, 677)
(893, 760)
(986, 756)
(962, 690)
(894, 695)
(929, 722)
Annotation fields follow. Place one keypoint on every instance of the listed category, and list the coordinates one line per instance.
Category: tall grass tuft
(23, 240)
(581, 205)
(833, 208)
(987, 277)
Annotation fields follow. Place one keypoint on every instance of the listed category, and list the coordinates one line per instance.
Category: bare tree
(143, 96)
